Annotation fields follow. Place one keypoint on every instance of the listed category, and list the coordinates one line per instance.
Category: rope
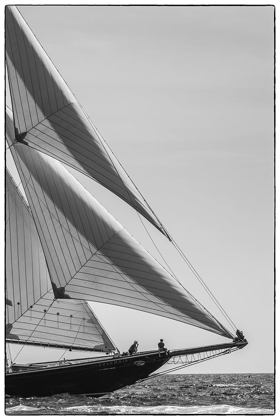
(10, 146)
(148, 233)
(203, 284)
(187, 364)
(194, 272)
(73, 340)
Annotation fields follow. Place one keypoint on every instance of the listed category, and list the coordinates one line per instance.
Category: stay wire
(203, 283)
(193, 271)
(187, 364)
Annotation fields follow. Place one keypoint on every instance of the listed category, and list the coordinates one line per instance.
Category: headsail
(89, 254)
(32, 314)
(49, 118)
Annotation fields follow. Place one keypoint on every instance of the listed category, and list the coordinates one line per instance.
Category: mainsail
(89, 254)
(33, 315)
(48, 117)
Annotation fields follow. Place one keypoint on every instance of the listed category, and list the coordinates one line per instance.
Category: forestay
(49, 118)
(89, 254)
(32, 313)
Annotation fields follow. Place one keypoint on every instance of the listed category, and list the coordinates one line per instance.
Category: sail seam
(94, 254)
(57, 216)
(35, 328)
(30, 114)
(125, 187)
(16, 76)
(46, 245)
(195, 300)
(83, 165)
(146, 299)
(122, 273)
(178, 317)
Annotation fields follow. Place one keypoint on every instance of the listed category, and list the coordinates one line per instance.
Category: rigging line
(10, 146)
(133, 285)
(30, 197)
(26, 183)
(148, 233)
(14, 108)
(168, 236)
(73, 339)
(195, 273)
(30, 335)
(203, 283)
(187, 364)
(31, 78)
(23, 199)
(59, 207)
(18, 353)
(174, 275)
(92, 314)
(10, 210)
(16, 72)
(34, 51)
(57, 220)
(84, 172)
(25, 231)
(205, 324)
(24, 176)
(102, 140)
(21, 56)
(53, 235)
(166, 314)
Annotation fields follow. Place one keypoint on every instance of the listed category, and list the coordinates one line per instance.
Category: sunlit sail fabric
(49, 118)
(90, 255)
(32, 314)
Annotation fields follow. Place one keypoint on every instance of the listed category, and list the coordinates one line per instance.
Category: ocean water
(168, 394)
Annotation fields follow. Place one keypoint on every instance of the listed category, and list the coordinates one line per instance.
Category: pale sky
(184, 96)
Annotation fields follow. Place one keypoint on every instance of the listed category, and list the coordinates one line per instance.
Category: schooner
(64, 249)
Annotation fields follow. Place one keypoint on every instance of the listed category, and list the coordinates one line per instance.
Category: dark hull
(91, 378)
(97, 376)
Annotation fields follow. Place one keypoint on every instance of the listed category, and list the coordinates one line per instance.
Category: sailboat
(64, 249)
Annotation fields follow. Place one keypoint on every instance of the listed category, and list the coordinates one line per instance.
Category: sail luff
(111, 266)
(53, 121)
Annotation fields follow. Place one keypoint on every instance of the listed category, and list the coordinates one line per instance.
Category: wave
(163, 409)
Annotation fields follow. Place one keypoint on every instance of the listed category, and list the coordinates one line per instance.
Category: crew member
(133, 348)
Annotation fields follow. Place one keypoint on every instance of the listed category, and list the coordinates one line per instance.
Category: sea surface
(168, 394)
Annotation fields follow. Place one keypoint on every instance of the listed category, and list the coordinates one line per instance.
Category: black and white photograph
(139, 209)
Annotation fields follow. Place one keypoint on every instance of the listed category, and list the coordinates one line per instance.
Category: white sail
(89, 254)
(49, 118)
(32, 313)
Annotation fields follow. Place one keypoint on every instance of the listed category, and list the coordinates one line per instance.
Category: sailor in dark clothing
(133, 348)
(239, 336)
(161, 346)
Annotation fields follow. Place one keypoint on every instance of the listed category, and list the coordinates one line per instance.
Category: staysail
(48, 117)
(89, 254)
(33, 315)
